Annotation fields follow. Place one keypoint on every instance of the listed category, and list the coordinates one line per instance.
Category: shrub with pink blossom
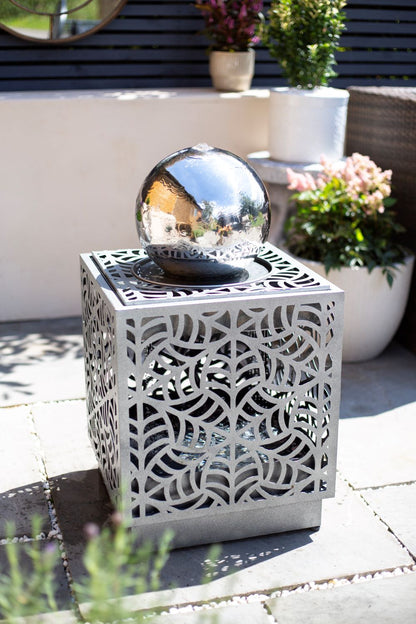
(231, 24)
(343, 217)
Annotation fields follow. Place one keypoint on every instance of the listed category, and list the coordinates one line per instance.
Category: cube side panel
(100, 353)
(232, 404)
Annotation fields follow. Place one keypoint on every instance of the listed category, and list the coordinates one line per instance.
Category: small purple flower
(50, 548)
(91, 530)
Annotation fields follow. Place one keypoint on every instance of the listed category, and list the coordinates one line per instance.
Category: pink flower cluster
(231, 24)
(359, 177)
(300, 181)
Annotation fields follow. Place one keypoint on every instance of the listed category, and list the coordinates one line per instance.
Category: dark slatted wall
(380, 44)
(155, 44)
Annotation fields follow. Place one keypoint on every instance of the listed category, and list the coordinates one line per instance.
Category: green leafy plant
(303, 35)
(27, 586)
(343, 218)
(198, 232)
(36, 14)
(231, 24)
(116, 567)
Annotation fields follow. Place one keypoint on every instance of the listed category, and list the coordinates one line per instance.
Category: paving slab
(379, 385)
(41, 361)
(376, 449)
(379, 450)
(21, 479)
(384, 601)
(396, 505)
(246, 614)
(351, 540)
(78, 492)
(62, 430)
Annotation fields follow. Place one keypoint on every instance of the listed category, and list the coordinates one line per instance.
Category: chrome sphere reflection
(202, 211)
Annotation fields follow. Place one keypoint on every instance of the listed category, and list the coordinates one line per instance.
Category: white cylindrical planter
(372, 311)
(232, 71)
(304, 124)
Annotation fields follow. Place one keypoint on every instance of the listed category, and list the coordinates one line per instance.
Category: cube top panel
(126, 271)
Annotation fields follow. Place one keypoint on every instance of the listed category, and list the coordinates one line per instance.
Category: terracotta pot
(373, 311)
(306, 123)
(232, 71)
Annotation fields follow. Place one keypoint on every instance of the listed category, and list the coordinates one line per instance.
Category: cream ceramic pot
(231, 71)
(373, 311)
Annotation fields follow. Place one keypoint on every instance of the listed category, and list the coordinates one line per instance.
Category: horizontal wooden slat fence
(157, 44)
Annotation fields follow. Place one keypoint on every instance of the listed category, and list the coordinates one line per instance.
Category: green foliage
(340, 225)
(303, 35)
(257, 221)
(116, 567)
(28, 587)
(197, 232)
(50, 7)
(10, 10)
(36, 14)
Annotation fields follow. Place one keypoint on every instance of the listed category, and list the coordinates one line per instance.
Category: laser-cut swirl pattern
(285, 275)
(229, 406)
(99, 361)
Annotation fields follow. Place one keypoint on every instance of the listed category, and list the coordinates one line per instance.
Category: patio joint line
(261, 598)
(55, 533)
(389, 529)
(32, 404)
(351, 579)
(386, 485)
(216, 603)
(269, 613)
(360, 493)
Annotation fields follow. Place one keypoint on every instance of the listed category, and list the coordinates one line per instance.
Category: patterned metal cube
(213, 411)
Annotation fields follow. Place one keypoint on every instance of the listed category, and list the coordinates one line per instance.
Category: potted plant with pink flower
(344, 229)
(231, 26)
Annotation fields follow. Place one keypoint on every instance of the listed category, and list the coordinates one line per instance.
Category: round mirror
(55, 21)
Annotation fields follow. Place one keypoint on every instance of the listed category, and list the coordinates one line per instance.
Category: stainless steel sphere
(202, 212)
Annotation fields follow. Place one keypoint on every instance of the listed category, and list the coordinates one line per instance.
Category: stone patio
(360, 565)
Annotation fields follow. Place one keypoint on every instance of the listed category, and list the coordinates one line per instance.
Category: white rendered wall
(71, 164)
